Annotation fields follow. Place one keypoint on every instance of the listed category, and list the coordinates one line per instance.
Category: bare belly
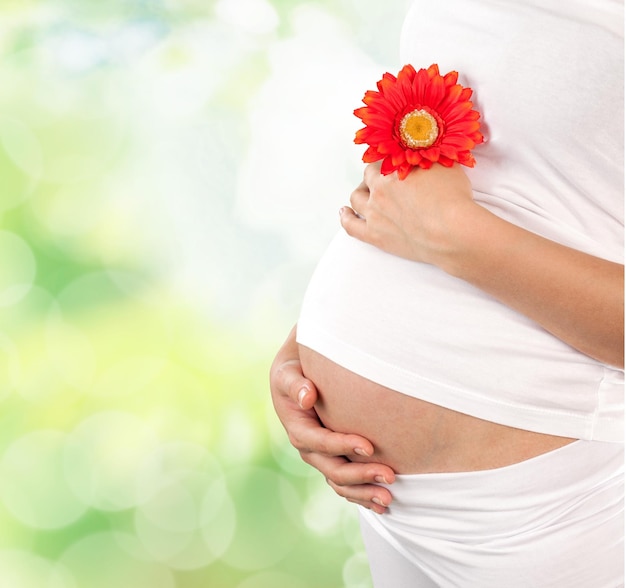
(413, 436)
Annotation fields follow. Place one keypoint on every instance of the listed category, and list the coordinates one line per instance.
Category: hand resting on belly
(413, 436)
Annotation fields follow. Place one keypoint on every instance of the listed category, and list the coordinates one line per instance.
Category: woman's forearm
(431, 217)
(577, 297)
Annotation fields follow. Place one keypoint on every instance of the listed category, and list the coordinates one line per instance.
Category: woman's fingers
(356, 482)
(359, 199)
(307, 434)
(372, 497)
(343, 472)
(328, 452)
(352, 224)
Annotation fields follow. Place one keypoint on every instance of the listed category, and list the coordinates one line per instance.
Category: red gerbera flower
(417, 119)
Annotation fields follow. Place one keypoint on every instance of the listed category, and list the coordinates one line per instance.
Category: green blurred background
(170, 170)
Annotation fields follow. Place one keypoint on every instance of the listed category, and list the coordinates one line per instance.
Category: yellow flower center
(418, 129)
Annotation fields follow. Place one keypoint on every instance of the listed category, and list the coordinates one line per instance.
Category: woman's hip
(552, 521)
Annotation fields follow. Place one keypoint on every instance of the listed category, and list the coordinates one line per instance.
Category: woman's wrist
(459, 238)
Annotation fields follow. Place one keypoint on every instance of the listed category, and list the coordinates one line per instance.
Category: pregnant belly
(411, 435)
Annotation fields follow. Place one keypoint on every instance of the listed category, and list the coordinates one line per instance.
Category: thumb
(299, 388)
(306, 393)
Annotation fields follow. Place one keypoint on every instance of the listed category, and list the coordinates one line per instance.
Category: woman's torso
(550, 89)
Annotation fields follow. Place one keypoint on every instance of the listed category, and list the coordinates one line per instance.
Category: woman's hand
(329, 452)
(408, 218)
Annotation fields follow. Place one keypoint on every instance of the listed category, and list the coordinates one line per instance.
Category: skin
(334, 454)
(430, 217)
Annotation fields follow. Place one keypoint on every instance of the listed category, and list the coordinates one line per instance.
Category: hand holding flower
(414, 218)
(413, 121)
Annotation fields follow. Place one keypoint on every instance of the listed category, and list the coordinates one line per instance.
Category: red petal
(431, 154)
(383, 106)
(450, 99)
(420, 83)
(451, 78)
(457, 112)
(385, 82)
(464, 126)
(371, 136)
(371, 155)
(413, 156)
(433, 71)
(375, 119)
(458, 142)
(425, 164)
(466, 158)
(398, 158)
(387, 167)
(435, 91)
(448, 152)
(466, 94)
(446, 162)
(370, 97)
(388, 147)
(404, 171)
(407, 73)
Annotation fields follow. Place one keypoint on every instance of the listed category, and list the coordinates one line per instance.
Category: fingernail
(381, 480)
(303, 392)
(341, 210)
(362, 452)
(379, 502)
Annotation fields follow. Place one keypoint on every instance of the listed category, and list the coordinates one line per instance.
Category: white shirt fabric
(548, 79)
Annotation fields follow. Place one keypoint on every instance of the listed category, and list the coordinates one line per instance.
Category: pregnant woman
(462, 338)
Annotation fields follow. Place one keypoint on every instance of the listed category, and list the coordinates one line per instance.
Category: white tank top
(548, 79)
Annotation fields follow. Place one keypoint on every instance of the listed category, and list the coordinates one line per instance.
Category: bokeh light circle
(252, 16)
(32, 481)
(103, 455)
(356, 572)
(171, 516)
(267, 511)
(171, 463)
(129, 376)
(172, 508)
(10, 366)
(17, 268)
(219, 519)
(161, 544)
(169, 523)
(112, 559)
(70, 351)
(273, 579)
(20, 162)
(323, 509)
(21, 145)
(21, 569)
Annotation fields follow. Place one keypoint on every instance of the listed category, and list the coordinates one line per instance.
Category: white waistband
(547, 511)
